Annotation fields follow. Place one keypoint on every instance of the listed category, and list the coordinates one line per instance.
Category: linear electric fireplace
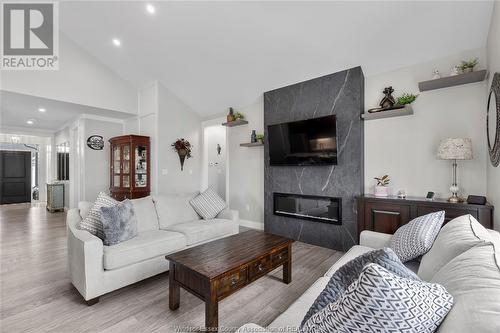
(309, 207)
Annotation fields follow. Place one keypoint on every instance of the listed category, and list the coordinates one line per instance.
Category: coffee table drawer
(232, 281)
(279, 256)
(259, 267)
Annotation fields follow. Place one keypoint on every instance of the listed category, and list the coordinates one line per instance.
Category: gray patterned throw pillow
(348, 273)
(92, 221)
(417, 236)
(208, 204)
(379, 301)
(119, 223)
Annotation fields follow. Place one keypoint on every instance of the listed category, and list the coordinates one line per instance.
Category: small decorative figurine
(388, 101)
(402, 194)
(455, 70)
(219, 148)
(253, 137)
(435, 74)
(230, 117)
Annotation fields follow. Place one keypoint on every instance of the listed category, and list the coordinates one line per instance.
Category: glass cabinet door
(126, 166)
(141, 166)
(116, 166)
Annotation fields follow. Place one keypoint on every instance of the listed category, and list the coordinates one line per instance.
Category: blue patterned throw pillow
(416, 237)
(379, 301)
(119, 223)
(349, 273)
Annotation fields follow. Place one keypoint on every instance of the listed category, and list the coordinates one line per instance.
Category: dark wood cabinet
(388, 214)
(130, 167)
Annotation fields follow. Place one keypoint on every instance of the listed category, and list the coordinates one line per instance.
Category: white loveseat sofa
(166, 224)
(470, 274)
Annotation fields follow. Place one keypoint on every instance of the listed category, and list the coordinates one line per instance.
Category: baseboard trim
(252, 224)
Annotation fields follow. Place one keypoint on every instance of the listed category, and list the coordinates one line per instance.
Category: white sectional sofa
(470, 274)
(166, 224)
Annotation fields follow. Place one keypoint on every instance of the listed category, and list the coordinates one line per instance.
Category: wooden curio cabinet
(130, 167)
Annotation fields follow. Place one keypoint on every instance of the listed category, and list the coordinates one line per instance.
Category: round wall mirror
(493, 121)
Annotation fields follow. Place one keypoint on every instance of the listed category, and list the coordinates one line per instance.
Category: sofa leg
(92, 301)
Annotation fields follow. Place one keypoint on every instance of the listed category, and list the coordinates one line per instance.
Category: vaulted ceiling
(219, 54)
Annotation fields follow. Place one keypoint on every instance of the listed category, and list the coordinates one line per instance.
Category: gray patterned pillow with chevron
(379, 301)
(348, 273)
(208, 204)
(92, 222)
(417, 236)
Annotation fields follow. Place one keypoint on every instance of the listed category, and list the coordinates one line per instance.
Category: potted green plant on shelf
(239, 116)
(406, 99)
(467, 66)
(260, 138)
(382, 187)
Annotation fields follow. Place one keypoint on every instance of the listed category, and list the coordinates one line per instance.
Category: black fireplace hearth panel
(308, 207)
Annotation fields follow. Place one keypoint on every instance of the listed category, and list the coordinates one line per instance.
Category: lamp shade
(455, 149)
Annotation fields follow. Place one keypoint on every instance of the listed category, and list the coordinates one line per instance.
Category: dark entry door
(15, 176)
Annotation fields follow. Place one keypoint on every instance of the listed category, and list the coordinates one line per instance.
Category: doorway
(214, 171)
(15, 177)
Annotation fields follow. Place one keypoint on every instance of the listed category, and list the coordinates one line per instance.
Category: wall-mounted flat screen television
(305, 142)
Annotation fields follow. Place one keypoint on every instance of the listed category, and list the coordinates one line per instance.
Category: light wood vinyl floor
(37, 295)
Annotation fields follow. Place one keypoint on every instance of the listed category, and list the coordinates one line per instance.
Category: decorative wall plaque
(493, 121)
(95, 142)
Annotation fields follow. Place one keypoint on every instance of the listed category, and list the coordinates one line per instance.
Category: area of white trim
(26, 131)
(252, 224)
(102, 118)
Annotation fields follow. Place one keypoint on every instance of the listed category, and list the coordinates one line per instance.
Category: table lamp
(455, 149)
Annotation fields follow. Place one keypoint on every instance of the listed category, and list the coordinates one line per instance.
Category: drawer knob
(260, 268)
(234, 281)
(280, 256)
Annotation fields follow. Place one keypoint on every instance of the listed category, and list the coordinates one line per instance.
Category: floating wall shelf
(251, 144)
(455, 80)
(406, 111)
(238, 122)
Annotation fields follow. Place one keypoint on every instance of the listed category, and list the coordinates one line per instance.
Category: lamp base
(454, 199)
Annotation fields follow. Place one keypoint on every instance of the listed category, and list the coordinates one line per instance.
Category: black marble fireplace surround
(341, 94)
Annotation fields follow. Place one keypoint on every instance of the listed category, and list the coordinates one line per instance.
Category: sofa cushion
(147, 245)
(379, 301)
(294, 314)
(174, 209)
(92, 221)
(473, 278)
(202, 230)
(417, 236)
(145, 213)
(455, 237)
(208, 204)
(349, 273)
(118, 223)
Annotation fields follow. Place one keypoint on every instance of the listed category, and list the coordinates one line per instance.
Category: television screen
(305, 142)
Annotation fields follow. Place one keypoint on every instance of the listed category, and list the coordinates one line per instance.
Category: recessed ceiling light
(30, 121)
(42, 109)
(117, 42)
(150, 8)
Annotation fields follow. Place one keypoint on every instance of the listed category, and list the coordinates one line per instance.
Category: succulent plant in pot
(260, 138)
(406, 99)
(467, 66)
(382, 187)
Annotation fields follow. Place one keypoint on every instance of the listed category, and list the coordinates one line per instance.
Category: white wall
(214, 164)
(177, 120)
(405, 147)
(81, 79)
(246, 167)
(493, 53)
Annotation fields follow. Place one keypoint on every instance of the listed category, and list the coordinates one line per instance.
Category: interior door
(15, 177)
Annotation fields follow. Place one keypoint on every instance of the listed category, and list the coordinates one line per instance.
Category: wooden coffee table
(215, 270)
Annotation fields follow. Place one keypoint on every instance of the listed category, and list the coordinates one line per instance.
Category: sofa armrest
(230, 214)
(85, 257)
(374, 239)
(251, 328)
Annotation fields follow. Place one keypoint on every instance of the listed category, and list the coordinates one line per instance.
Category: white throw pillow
(417, 236)
(454, 238)
(208, 204)
(92, 222)
(379, 301)
(145, 213)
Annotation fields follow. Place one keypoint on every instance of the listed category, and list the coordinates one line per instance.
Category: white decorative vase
(381, 191)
